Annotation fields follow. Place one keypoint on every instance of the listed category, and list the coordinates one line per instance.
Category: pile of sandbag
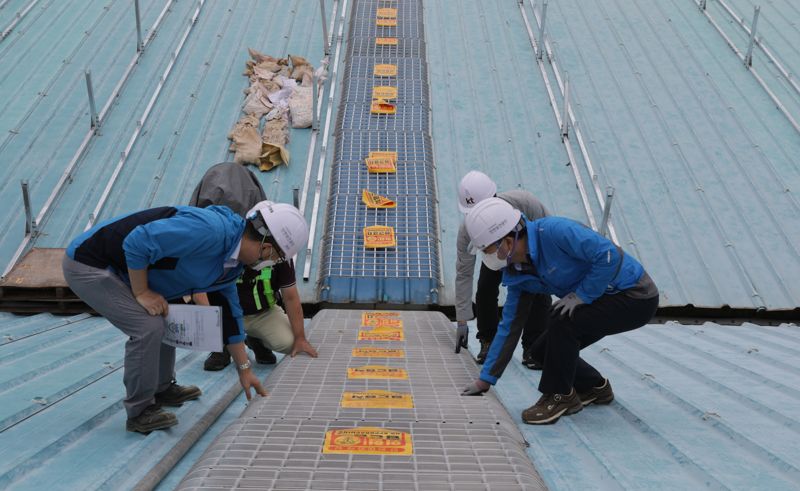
(280, 91)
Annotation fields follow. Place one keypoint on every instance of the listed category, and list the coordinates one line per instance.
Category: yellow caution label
(385, 70)
(379, 236)
(384, 92)
(375, 319)
(376, 352)
(381, 334)
(370, 315)
(380, 164)
(386, 41)
(384, 153)
(368, 440)
(373, 200)
(386, 22)
(378, 399)
(382, 107)
(387, 13)
(377, 372)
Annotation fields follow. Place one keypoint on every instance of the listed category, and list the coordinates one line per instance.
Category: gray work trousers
(149, 364)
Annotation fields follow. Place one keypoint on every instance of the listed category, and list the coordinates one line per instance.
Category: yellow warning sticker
(387, 13)
(379, 236)
(376, 352)
(382, 334)
(378, 399)
(377, 371)
(373, 200)
(369, 315)
(384, 92)
(382, 107)
(384, 153)
(370, 319)
(386, 22)
(386, 41)
(377, 165)
(368, 440)
(385, 70)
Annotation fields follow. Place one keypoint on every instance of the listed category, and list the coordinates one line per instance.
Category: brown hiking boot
(151, 419)
(485, 345)
(217, 360)
(175, 394)
(597, 395)
(550, 407)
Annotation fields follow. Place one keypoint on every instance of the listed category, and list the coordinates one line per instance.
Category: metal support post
(606, 210)
(702, 4)
(326, 46)
(565, 109)
(748, 59)
(540, 41)
(92, 107)
(296, 197)
(139, 43)
(314, 117)
(30, 224)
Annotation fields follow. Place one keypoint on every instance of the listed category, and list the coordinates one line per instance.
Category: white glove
(566, 305)
(462, 335)
(475, 388)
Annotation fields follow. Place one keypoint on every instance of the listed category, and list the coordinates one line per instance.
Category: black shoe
(550, 407)
(529, 361)
(217, 361)
(264, 356)
(151, 419)
(175, 394)
(597, 395)
(485, 344)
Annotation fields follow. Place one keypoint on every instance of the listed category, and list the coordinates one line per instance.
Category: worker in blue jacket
(128, 268)
(602, 291)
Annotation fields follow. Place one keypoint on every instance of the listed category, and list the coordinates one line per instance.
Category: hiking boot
(176, 395)
(550, 407)
(529, 361)
(264, 356)
(597, 395)
(485, 345)
(217, 361)
(151, 419)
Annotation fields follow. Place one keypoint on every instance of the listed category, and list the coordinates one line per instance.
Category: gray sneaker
(550, 407)
(597, 395)
(151, 419)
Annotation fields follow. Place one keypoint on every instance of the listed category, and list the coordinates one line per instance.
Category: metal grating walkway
(410, 271)
(459, 442)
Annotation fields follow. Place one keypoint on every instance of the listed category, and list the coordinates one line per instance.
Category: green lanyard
(264, 279)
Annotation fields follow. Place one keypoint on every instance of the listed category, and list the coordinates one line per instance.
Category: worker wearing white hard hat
(601, 289)
(473, 188)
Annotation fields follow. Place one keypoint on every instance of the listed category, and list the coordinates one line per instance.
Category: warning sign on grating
(377, 372)
(384, 92)
(368, 440)
(386, 41)
(381, 334)
(373, 200)
(379, 236)
(385, 70)
(374, 319)
(376, 352)
(387, 13)
(382, 107)
(386, 22)
(377, 399)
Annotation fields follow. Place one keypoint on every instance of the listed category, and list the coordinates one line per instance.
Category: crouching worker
(602, 291)
(128, 268)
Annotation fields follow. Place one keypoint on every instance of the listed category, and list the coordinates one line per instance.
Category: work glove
(462, 334)
(566, 305)
(475, 388)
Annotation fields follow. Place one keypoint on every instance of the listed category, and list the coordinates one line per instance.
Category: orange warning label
(380, 165)
(370, 315)
(381, 334)
(368, 440)
(385, 70)
(387, 13)
(382, 107)
(376, 352)
(373, 200)
(377, 371)
(386, 41)
(384, 92)
(377, 399)
(384, 154)
(379, 236)
(386, 22)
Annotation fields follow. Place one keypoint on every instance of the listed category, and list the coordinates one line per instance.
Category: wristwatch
(243, 366)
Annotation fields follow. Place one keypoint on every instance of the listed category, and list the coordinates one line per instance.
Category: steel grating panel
(408, 272)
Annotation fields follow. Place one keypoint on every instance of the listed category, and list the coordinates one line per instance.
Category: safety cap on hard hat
(474, 188)
(489, 221)
(283, 222)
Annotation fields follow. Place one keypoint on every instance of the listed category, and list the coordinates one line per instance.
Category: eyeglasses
(495, 245)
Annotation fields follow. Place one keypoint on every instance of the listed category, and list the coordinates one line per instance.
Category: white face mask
(493, 262)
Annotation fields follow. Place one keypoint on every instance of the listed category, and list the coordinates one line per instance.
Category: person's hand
(301, 345)
(462, 336)
(566, 305)
(475, 388)
(249, 379)
(153, 303)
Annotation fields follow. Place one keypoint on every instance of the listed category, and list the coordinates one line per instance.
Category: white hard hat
(489, 221)
(474, 188)
(284, 223)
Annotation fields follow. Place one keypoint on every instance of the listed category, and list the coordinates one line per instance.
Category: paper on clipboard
(194, 327)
